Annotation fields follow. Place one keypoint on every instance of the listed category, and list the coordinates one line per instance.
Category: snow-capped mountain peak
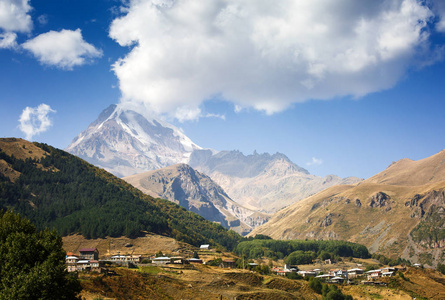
(126, 141)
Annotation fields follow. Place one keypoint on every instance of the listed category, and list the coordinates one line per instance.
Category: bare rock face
(430, 232)
(197, 193)
(379, 200)
(326, 221)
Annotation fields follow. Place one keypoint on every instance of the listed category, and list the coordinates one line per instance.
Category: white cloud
(64, 49)
(315, 162)
(43, 19)
(219, 116)
(265, 54)
(35, 120)
(14, 15)
(439, 7)
(8, 40)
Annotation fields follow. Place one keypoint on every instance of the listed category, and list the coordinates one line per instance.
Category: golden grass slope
(413, 173)
(379, 212)
(20, 149)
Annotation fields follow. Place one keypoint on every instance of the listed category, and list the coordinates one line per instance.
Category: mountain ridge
(268, 186)
(384, 212)
(197, 192)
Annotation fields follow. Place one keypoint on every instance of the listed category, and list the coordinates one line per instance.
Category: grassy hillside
(398, 212)
(58, 190)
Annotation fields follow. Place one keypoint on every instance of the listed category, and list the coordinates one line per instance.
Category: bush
(215, 262)
(263, 269)
(316, 285)
(331, 292)
(294, 276)
(441, 268)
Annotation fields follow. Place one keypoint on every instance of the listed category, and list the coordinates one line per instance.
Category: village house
(307, 273)
(283, 272)
(354, 273)
(178, 260)
(325, 277)
(374, 274)
(161, 260)
(89, 253)
(291, 268)
(125, 259)
(83, 262)
(337, 279)
(195, 260)
(204, 247)
(71, 263)
(228, 263)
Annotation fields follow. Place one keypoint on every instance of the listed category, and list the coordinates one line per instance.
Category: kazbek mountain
(125, 142)
(399, 212)
(198, 193)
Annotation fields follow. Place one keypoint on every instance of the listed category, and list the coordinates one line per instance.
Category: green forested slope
(61, 191)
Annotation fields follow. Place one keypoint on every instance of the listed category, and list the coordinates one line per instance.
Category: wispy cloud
(219, 116)
(315, 162)
(43, 19)
(8, 40)
(266, 54)
(63, 49)
(35, 120)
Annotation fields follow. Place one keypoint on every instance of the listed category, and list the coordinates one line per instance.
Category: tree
(32, 262)
(331, 292)
(315, 285)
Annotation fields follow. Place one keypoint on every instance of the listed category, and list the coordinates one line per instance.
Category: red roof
(87, 250)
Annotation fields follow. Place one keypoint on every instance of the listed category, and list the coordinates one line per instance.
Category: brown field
(147, 245)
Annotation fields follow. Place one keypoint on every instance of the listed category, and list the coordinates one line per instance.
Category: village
(88, 260)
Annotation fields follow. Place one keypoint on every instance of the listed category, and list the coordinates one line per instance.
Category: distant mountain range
(127, 141)
(198, 193)
(262, 182)
(399, 212)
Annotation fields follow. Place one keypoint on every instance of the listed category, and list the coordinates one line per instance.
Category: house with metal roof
(89, 253)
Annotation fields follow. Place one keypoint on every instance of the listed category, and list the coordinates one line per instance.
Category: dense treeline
(304, 250)
(390, 262)
(64, 192)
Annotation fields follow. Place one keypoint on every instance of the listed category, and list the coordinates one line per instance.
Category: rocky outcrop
(380, 200)
(326, 221)
(430, 209)
(198, 193)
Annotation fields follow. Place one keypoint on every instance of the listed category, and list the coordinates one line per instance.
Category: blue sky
(340, 87)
